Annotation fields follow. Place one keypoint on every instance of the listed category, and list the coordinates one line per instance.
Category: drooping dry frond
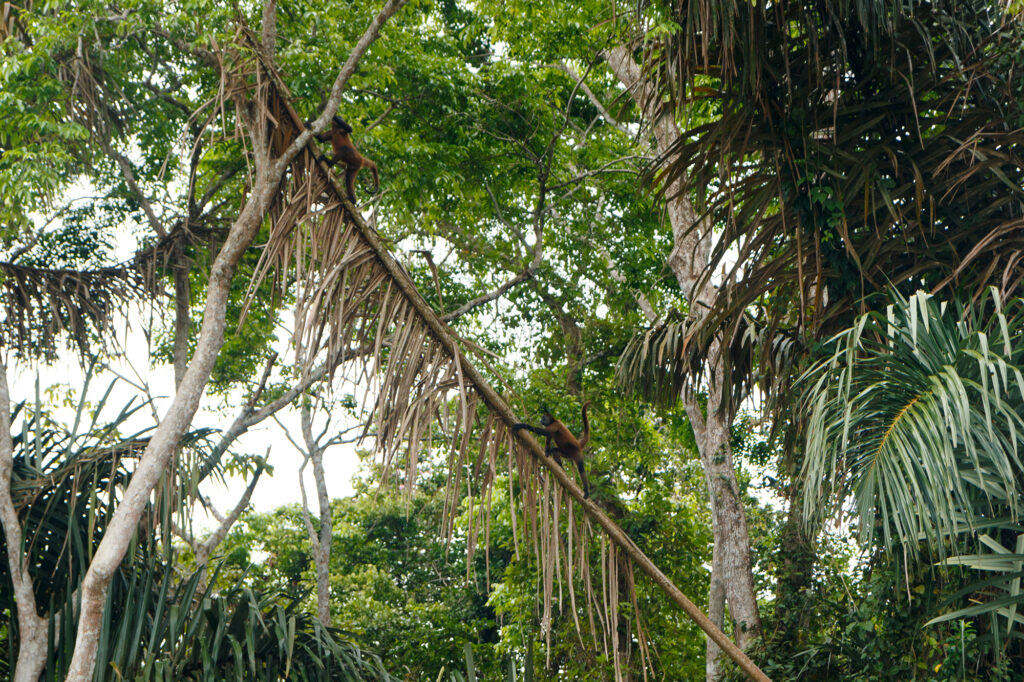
(844, 148)
(42, 305)
(39, 305)
(347, 287)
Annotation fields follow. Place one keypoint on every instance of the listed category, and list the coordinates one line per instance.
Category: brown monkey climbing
(346, 152)
(565, 444)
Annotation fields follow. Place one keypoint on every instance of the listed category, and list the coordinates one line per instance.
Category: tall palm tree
(851, 147)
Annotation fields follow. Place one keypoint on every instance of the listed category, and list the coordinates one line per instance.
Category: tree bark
(182, 310)
(154, 460)
(31, 628)
(320, 543)
(731, 575)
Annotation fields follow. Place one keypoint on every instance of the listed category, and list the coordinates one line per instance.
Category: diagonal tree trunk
(268, 173)
(731, 576)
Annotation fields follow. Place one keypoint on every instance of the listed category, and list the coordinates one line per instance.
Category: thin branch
(249, 416)
(380, 119)
(491, 295)
(207, 546)
(334, 100)
(38, 233)
(615, 274)
(129, 178)
(606, 168)
(501, 217)
(433, 272)
(564, 67)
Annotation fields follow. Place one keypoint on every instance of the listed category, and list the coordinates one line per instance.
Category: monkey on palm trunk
(565, 444)
(346, 152)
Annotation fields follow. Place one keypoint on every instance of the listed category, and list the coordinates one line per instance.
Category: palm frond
(999, 597)
(349, 286)
(919, 415)
(42, 305)
(845, 148)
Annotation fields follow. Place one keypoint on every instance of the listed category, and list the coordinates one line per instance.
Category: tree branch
(568, 70)
(206, 547)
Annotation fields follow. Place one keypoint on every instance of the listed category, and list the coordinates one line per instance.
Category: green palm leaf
(158, 624)
(918, 413)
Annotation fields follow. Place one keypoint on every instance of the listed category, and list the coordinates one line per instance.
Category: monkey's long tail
(585, 436)
(376, 178)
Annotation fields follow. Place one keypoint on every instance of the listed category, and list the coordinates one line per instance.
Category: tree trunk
(731, 575)
(182, 310)
(320, 543)
(731, 537)
(153, 462)
(32, 629)
(267, 173)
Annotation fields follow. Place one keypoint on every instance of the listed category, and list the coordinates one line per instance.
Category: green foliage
(395, 583)
(159, 624)
(867, 626)
(917, 413)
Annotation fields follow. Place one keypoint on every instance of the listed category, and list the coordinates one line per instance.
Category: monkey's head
(341, 125)
(546, 419)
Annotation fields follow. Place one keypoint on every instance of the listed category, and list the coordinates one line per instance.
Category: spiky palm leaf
(919, 415)
(159, 625)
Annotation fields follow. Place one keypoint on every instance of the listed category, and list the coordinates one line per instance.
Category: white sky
(282, 487)
(135, 366)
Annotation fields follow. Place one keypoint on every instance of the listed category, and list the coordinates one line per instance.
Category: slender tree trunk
(182, 310)
(153, 462)
(268, 173)
(31, 628)
(731, 577)
(323, 563)
(320, 543)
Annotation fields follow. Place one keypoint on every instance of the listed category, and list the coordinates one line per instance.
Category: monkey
(565, 444)
(346, 152)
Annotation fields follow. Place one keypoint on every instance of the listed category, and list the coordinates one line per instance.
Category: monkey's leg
(552, 451)
(351, 170)
(583, 475)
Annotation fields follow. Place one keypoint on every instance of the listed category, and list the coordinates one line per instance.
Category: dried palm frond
(39, 305)
(348, 286)
(845, 148)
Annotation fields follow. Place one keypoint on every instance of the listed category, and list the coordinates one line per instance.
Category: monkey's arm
(536, 429)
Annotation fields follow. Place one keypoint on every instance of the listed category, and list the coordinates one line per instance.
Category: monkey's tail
(585, 436)
(376, 178)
